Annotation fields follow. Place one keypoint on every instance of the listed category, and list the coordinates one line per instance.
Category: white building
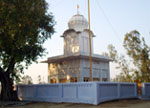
(74, 65)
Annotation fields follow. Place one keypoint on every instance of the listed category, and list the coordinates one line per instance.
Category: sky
(110, 21)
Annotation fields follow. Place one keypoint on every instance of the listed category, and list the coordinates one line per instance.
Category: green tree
(122, 64)
(26, 80)
(120, 78)
(24, 26)
(40, 81)
(138, 67)
(139, 52)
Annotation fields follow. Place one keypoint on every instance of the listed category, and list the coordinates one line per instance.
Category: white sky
(110, 21)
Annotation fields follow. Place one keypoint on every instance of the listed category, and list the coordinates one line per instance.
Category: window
(86, 79)
(104, 79)
(95, 79)
(53, 80)
(63, 80)
(73, 79)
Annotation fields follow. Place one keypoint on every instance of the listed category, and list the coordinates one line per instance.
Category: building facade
(73, 65)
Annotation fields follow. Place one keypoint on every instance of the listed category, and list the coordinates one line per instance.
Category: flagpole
(91, 79)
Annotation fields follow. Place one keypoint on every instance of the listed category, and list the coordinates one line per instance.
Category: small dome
(78, 23)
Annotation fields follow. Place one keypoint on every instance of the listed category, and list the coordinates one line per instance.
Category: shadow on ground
(111, 104)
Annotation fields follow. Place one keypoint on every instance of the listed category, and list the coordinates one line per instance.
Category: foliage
(40, 80)
(26, 80)
(24, 26)
(120, 78)
(122, 64)
(138, 52)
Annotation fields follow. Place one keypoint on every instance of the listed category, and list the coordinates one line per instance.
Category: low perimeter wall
(146, 89)
(81, 92)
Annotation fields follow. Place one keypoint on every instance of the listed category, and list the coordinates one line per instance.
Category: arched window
(53, 80)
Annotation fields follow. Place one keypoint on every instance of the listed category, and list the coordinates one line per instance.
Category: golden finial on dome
(77, 8)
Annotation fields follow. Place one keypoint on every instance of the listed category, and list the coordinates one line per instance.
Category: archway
(53, 80)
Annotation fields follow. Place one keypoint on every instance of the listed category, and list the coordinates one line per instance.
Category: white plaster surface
(71, 64)
(146, 89)
(85, 92)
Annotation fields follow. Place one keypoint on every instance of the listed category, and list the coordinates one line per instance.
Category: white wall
(100, 69)
(61, 70)
(85, 92)
(146, 90)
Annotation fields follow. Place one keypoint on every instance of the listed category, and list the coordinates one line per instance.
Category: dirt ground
(112, 104)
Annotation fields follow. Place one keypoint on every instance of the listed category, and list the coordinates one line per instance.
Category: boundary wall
(146, 90)
(80, 92)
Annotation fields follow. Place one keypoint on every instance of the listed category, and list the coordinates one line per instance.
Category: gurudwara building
(73, 65)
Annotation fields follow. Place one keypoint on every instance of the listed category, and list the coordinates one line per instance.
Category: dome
(78, 23)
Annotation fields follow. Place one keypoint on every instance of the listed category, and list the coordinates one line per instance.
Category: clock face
(75, 49)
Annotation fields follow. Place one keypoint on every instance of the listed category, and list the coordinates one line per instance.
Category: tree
(40, 80)
(122, 64)
(138, 67)
(26, 80)
(24, 26)
(120, 78)
(139, 52)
